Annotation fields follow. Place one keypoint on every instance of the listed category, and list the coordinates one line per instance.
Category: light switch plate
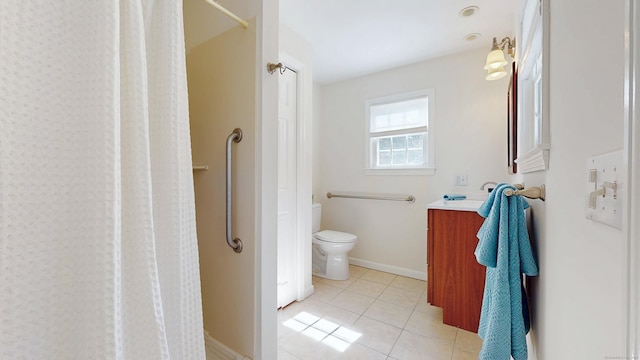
(605, 171)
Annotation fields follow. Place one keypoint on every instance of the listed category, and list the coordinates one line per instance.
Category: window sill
(402, 172)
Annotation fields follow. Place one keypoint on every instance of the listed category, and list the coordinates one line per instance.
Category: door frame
(304, 86)
(266, 323)
(265, 336)
(631, 158)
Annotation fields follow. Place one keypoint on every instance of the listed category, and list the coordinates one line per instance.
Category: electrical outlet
(461, 180)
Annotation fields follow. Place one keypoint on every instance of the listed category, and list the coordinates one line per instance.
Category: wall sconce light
(496, 60)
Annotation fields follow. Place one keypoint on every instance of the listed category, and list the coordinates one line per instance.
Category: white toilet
(330, 249)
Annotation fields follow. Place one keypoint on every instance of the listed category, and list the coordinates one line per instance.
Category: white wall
(470, 133)
(266, 337)
(578, 298)
(316, 131)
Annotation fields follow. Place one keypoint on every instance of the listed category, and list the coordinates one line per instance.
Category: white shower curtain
(98, 249)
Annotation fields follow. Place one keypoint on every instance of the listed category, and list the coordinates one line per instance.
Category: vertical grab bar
(236, 244)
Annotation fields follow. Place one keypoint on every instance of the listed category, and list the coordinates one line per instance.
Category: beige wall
(222, 77)
(578, 299)
(470, 136)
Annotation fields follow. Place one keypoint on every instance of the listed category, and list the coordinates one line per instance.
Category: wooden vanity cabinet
(455, 280)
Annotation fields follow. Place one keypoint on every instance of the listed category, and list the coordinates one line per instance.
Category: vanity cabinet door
(455, 279)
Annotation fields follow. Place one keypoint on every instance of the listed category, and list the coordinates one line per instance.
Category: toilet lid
(335, 236)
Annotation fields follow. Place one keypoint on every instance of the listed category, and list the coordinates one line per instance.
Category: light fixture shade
(496, 73)
(495, 59)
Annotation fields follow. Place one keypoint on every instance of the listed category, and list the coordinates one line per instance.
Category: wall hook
(271, 67)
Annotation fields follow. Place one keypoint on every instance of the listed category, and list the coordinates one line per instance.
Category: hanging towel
(505, 250)
(448, 197)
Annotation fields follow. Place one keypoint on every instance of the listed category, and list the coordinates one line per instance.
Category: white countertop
(462, 205)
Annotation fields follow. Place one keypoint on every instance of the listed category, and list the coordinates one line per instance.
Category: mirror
(533, 85)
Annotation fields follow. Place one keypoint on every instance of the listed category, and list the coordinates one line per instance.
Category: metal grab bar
(409, 198)
(236, 244)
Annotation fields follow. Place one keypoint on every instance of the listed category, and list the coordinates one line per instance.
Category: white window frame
(426, 169)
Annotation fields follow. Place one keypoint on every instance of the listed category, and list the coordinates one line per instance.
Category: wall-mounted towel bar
(200, 167)
(409, 198)
(536, 192)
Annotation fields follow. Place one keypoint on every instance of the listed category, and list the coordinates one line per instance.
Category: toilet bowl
(330, 249)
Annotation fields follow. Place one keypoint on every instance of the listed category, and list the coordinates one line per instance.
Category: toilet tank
(316, 213)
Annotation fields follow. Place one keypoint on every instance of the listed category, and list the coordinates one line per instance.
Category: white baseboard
(216, 350)
(420, 275)
(306, 293)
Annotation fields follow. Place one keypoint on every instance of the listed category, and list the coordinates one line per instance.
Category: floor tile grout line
(401, 330)
(398, 286)
(363, 315)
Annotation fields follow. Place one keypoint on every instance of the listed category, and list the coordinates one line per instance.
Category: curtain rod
(228, 13)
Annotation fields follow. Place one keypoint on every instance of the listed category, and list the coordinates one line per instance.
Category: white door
(287, 187)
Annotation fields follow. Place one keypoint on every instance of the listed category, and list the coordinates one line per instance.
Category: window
(399, 133)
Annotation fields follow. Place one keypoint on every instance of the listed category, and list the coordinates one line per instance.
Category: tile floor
(373, 315)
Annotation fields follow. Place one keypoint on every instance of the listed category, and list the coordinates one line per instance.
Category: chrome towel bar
(408, 198)
(236, 244)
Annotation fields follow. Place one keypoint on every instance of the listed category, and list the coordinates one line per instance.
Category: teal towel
(448, 197)
(504, 248)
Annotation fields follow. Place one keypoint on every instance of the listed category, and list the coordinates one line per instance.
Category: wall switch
(461, 180)
(605, 189)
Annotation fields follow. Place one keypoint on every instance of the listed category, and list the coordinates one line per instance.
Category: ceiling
(352, 38)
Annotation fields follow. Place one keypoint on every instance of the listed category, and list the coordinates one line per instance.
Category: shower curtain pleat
(172, 177)
(98, 249)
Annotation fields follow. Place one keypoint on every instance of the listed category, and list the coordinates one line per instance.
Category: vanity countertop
(462, 205)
